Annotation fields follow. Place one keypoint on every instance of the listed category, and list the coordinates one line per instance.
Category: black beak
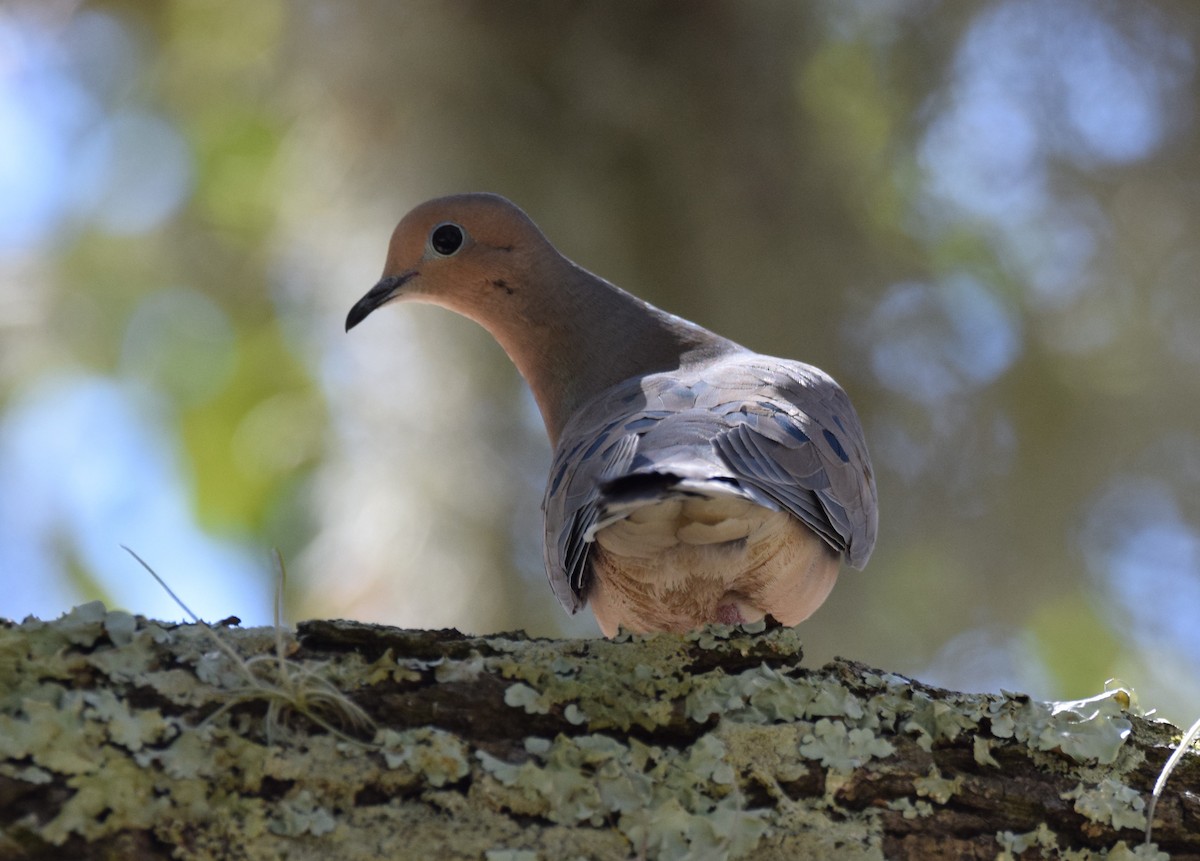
(378, 295)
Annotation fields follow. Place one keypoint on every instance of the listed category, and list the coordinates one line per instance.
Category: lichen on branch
(119, 733)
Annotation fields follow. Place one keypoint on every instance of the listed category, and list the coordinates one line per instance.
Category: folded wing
(779, 433)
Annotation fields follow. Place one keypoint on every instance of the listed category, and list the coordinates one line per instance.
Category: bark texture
(125, 737)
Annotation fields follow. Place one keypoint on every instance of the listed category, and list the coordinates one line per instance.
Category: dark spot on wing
(794, 432)
(594, 447)
(643, 422)
(574, 450)
(558, 477)
(639, 484)
(836, 446)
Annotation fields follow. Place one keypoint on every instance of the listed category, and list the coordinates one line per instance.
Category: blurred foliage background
(981, 217)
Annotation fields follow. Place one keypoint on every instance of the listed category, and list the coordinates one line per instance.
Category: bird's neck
(577, 336)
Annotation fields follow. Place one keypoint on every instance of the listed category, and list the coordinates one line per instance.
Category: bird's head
(467, 252)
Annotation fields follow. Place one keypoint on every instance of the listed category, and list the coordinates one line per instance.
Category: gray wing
(798, 441)
(780, 433)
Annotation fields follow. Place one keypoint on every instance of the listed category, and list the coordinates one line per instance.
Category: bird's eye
(446, 239)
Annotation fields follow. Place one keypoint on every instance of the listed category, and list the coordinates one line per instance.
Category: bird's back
(715, 492)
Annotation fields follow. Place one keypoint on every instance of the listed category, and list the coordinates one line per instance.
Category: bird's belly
(682, 563)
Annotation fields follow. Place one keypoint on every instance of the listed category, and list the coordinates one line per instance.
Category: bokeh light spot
(133, 172)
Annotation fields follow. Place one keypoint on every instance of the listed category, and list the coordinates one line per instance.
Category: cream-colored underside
(682, 563)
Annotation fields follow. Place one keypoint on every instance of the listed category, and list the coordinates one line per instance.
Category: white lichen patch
(1094, 733)
(1111, 803)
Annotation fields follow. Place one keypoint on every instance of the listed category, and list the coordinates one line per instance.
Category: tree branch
(123, 737)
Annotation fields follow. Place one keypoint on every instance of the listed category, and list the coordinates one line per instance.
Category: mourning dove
(693, 480)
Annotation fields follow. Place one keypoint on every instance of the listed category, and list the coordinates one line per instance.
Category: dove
(693, 480)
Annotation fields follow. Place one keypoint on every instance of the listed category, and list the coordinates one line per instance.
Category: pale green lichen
(640, 674)
(435, 755)
(120, 627)
(631, 680)
(717, 636)
(466, 670)
(1111, 803)
(301, 814)
(933, 720)
(1095, 732)
(134, 659)
(981, 749)
(573, 780)
(510, 855)
(1141, 852)
(131, 729)
(842, 749)
(671, 833)
(677, 806)
(524, 697)
(1095, 729)
(1044, 839)
(126, 767)
(759, 695)
(768, 754)
(735, 735)
(95, 810)
(1012, 845)
(83, 625)
(834, 700)
(910, 809)
(54, 735)
(387, 669)
(936, 787)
